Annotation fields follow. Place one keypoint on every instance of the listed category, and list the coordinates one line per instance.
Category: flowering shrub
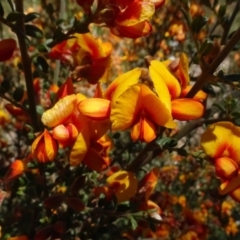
(119, 120)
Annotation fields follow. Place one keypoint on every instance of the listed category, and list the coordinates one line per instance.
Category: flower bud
(65, 135)
(44, 147)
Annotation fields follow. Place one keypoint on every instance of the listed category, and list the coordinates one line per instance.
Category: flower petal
(185, 109)
(127, 185)
(229, 186)
(123, 82)
(226, 168)
(16, 169)
(126, 109)
(155, 109)
(165, 75)
(95, 108)
(183, 70)
(222, 140)
(60, 112)
(7, 47)
(94, 161)
(200, 96)
(80, 146)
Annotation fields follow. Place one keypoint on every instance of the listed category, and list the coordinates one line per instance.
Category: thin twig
(152, 149)
(16, 104)
(227, 27)
(207, 72)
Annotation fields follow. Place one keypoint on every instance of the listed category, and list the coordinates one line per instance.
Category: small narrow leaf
(31, 16)
(41, 63)
(14, 16)
(33, 31)
(133, 222)
(198, 23)
(1, 10)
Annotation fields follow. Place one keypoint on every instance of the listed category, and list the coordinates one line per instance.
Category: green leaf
(167, 142)
(222, 10)
(14, 16)
(182, 152)
(18, 94)
(43, 48)
(133, 222)
(209, 89)
(58, 34)
(33, 31)
(31, 16)
(5, 86)
(41, 63)
(50, 9)
(206, 47)
(198, 23)
(1, 10)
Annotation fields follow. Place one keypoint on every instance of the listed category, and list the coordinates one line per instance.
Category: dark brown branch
(26, 61)
(152, 149)
(207, 73)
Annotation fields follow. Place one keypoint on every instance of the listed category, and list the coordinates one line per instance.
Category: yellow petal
(185, 109)
(125, 81)
(51, 146)
(95, 108)
(165, 75)
(127, 185)
(80, 147)
(126, 109)
(60, 112)
(236, 194)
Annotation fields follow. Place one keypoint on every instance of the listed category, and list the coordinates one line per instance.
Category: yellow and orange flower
(144, 99)
(221, 142)
(129, 19)
(44, 148)
(122, 183)
(89, 58)
(79, 123)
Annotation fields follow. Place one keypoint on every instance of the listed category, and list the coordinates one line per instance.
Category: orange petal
(229, 186)
(184, 109)
(135, 13)
(94, 161)
(149, 182)
(60, 112)
(200, 96)
(183, 70)
(95, 108)
(22, 237)
(163, 74)
(236, 194)
(61, 133)
(16, 169)
(152, 106)
(50, 145)
(98, 128)
(98, 92)
(127, 185)
(66, 89)
(7, 47)
(134, 31)
(143, 130)
(226, 168)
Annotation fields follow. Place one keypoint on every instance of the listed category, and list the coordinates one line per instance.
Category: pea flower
(221, 142)
(88, 58)
(122, 184)
(154, 102)
(44, 147)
